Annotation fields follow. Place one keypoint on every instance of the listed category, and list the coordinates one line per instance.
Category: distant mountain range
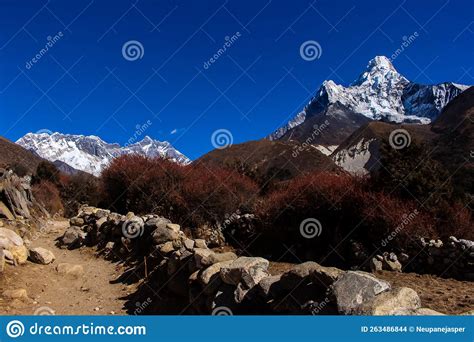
(90, 153)
(340, 129)
(380, 93)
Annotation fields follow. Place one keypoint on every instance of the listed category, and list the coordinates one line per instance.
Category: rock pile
(204, 281)
(453, 259)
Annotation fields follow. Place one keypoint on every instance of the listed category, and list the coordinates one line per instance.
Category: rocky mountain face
(90, 153)
(450, 135)
(380, 93)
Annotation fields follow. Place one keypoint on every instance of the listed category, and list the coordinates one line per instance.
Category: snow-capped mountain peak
(92, 154)
(379, 93)
(379, 72)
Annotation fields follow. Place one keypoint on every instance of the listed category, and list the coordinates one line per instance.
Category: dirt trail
(89, 294)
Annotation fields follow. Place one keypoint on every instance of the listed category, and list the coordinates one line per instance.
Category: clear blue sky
(84, 85)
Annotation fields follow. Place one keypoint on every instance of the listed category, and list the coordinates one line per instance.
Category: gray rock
(200, 243)
(199, 255)
(73, 237)
(217, 257)
(395, 302)
(9, 238)
(354, 289)
(270, 287)
(166, 247)
(309, 271)
(249, 270)
(391, 265)
(376, 265)
(74, 271)
(210, 277)
(164, 234)
(156, 222)
(174, 227)
(110, 245)
(76, 221)
(100, 222)
(41, 256)
(189, 244)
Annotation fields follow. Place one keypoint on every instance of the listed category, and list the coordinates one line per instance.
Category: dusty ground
(90, 294)
(447, 296)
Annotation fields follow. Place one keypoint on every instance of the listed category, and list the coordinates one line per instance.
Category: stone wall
(182, 275)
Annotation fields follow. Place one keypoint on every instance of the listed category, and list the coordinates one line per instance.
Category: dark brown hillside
(267, 159)
(15, 156)
(455, 145)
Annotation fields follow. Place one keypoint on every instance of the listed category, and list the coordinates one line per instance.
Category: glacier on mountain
(90, 153)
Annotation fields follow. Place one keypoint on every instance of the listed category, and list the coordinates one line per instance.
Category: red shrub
(48, 195)
(141, 184)
(190, 195)
(211, 193)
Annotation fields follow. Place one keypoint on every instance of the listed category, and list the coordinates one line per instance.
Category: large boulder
(401, 301)
(214, 258)
(210, 277)
(164, 234)
(270, 287)
(41, 255)
(199, 255)
(14, 244)
(248, 270)
(309, 271)
(354, 289)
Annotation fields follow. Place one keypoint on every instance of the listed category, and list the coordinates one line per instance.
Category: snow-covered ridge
(381, 93)
(90, 153)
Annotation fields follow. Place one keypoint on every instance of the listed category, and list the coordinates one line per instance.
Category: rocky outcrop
(185, 276)
(16, 199)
